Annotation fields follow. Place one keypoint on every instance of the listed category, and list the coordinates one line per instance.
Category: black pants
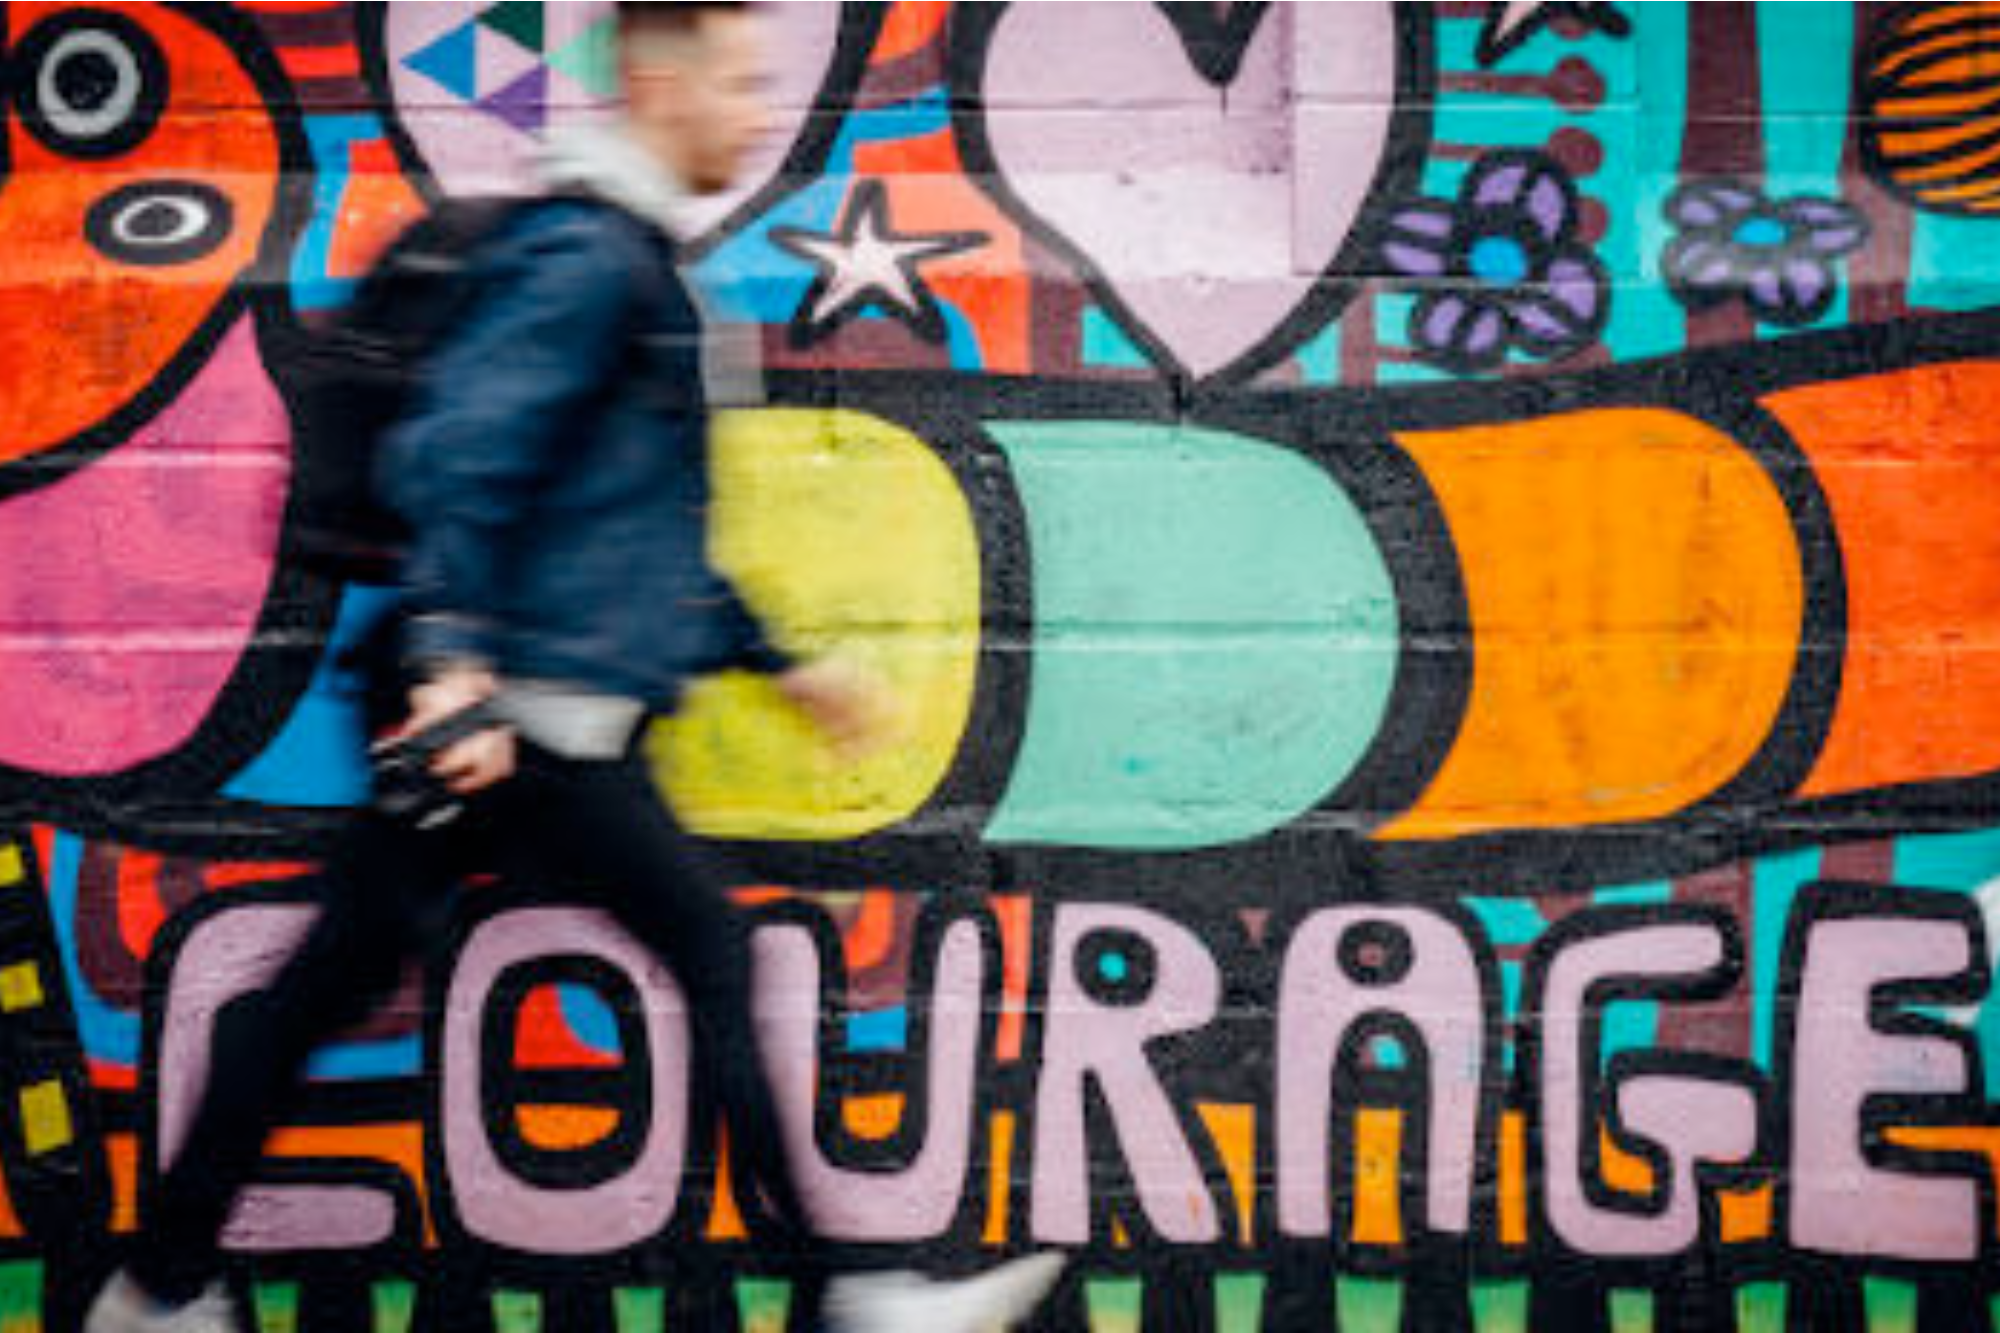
(601, 828)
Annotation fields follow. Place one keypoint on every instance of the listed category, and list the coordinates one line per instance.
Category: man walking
(553, 473)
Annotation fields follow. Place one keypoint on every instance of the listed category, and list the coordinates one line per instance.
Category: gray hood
(604, 160)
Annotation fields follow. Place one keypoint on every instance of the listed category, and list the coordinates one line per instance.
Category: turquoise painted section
(1176, 704)
(1638, 176)
(1107, 345)
(1775, 885)
(1805, 66)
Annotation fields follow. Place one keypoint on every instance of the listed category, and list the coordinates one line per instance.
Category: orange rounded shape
(1910, 463)
(1636, 594)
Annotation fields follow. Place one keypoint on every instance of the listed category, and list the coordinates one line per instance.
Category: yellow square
(45, 1122)
(12, 869)
(20, 988)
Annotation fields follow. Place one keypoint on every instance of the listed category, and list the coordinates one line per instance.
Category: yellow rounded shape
(846, 535)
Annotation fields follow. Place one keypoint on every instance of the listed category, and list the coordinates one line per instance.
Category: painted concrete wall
(1442, 569)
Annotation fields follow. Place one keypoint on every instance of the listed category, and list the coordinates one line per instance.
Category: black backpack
(354, 381)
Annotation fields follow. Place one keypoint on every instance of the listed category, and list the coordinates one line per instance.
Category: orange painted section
(1513, 1182)
(121, 1157)
(1910, 463)
(1378, 1161)
(402, 1146)
(140, 911)
(1746, 1214)
(1623, 1172)
(1976, 1140)
(910, 27)
(565, 1128)
(378, 205)
(999, 1177)
(543, 1040)
(127, 323)
(1636, 598)
(230, 875)
(725, 1219)
(1233, 1129)
(10, 1221)
(871, 937)
(873, 1118)
(1015, 916)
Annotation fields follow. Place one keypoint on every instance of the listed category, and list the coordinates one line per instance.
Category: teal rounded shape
(1215, 640)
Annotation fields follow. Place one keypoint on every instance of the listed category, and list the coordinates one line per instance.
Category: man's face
(706, 92)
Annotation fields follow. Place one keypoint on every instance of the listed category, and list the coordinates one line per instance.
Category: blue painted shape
(319, 761)
(1216, 637)
(333, 138)
(878, 1030)
(360, 1062)
(591, 1021)
(451, 62)
(1107, 345)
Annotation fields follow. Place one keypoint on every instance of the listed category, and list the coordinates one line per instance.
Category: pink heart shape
(1207, 209)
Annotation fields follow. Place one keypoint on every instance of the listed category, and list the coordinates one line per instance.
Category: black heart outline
(972, 31)
(1216, 42)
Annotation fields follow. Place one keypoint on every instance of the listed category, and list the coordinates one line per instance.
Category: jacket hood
(606, 161)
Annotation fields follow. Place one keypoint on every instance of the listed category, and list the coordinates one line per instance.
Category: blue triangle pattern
(451, 62)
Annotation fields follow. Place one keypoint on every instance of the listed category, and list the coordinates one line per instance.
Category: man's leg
(379, 880)
(608, 825)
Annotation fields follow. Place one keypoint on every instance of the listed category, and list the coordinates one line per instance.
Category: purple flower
(1500, 267)
(1776, 256)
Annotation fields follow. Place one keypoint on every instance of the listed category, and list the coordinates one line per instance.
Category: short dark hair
(675, 18)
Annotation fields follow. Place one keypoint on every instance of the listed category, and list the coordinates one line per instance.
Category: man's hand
(478, 762)
(844, 699)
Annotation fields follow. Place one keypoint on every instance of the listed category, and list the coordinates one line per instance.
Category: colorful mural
(1437, 566)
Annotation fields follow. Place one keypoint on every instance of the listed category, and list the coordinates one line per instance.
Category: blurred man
(553, 472)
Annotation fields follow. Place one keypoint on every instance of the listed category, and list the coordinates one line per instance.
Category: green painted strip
(517, 1312)
(21, 1297)
(1239, 1302)
(1500, 1307)
(763, 1304)
(1632, 1312)
(1216, 637)
(1114, 1304)
(1760, 1307)
(1993, 1310)
(274, 1306)
(394, 1304)
(1892, 1306)
(640, 1309)
(1369, 1305)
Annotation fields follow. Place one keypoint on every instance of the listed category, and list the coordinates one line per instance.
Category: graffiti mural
(1437, 564)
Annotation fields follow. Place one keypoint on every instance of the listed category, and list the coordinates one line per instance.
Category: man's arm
(489, 420)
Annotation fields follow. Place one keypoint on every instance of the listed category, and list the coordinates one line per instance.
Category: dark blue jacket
(554, 469)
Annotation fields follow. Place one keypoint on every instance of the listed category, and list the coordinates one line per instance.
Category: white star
(866, 262)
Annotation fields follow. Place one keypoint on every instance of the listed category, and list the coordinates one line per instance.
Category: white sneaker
(124, 1307)
(904, 1302)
